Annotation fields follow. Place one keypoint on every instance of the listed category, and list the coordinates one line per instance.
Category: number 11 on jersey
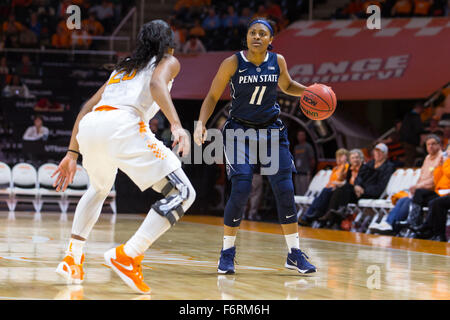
(260, 96)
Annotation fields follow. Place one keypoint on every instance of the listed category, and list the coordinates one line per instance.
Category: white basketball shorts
(119, 139)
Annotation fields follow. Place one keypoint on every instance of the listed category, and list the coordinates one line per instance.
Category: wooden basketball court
(182, 264)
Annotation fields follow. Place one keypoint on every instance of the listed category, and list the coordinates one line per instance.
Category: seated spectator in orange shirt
(402, 8)
(61, 39)
(197, 29)
(12, 27)
(92, 26)
(337, 177)
(422, 7)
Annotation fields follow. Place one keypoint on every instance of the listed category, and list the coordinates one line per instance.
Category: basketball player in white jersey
(111, 132)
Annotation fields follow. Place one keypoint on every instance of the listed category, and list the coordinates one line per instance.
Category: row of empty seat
(24, 184)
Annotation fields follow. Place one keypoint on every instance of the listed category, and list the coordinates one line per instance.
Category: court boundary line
(330, 241)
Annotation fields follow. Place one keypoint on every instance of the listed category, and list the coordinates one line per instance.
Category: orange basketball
(318, 102)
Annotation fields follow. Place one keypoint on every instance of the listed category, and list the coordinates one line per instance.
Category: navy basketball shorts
(248, 150)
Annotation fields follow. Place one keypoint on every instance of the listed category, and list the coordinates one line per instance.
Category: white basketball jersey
(131, 90)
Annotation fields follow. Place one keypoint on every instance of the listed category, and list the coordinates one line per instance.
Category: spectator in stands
(410, 132)
(434, 128)
(425, 182)
(231, 19)
(62, 8)
(274, 10)
(92, 26)
(261, 12)
(373, 176)
(435, 221)
(197, 30)
(104, 14)
(61, 39)
(28, 39)
(422, 7)
(212, 21)
(26, 66)
(193, 46)
(396, 151)
(181, 9)
(245, 17)
(344, 193)
(12, 29)
(320, 203)
(179, 35)
(435, 228)
(402, 8)
(421, 196)
(304, 162)
(16, 88)
(4, 69)
(35, 25)
(37, 131)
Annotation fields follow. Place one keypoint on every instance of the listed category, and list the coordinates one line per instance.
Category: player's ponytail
(154, 39)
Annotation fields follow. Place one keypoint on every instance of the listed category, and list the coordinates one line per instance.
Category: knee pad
(283, 189)
(241, 186)
(176, 194)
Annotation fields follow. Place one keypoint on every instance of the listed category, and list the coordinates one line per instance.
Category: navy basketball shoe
(226, 262)
(296, 260)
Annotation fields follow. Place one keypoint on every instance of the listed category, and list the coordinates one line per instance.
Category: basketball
(318, 102)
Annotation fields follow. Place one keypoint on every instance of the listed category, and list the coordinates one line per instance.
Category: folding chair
(6, 185)
(24, 179)
(46, 191)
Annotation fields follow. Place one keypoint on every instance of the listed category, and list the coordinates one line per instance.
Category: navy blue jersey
(254, 89)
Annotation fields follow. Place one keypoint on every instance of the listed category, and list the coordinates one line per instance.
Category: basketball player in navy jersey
(254, 76)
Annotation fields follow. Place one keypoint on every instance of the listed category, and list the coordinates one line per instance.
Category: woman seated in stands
(320, 203)
(434, 227)
(345, 193)
(37, 131)
(424, 185)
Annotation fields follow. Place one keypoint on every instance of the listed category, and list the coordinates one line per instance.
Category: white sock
(151, 229)
(75, 249)
(292, 241)
(228, 242)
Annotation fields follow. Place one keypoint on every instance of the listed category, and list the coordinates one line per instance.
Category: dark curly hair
(154, 38)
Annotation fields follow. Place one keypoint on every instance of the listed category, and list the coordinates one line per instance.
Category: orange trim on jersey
(105, 108)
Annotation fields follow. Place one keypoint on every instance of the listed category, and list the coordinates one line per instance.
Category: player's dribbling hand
(66, 171)
(200, 133)
(181, 138)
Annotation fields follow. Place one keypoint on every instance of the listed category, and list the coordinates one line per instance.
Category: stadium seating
(6, 185)
(316, 185)
(25, 189)
(46, 191)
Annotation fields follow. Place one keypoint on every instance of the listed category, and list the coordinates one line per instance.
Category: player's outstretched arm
(68, 166)
(221, 80)
(285, 82)
(166, 70)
